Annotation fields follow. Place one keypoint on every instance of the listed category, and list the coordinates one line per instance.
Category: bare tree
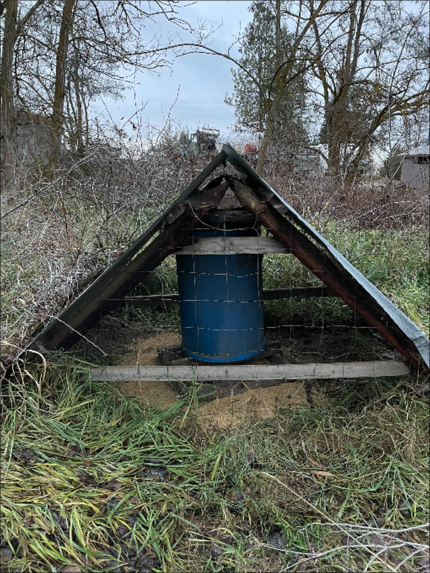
(73, 51)
(365, 65)
(14, 25)
(294, 63)
(370, 69)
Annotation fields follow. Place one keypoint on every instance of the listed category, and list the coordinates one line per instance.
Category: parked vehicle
(202, 141)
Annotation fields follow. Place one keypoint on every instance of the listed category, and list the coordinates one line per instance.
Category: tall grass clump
(91, 478)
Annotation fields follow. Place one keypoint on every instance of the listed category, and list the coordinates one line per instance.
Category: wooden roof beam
(104, 296)
(321, 266)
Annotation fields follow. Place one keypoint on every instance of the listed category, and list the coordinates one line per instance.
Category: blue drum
(221, 304)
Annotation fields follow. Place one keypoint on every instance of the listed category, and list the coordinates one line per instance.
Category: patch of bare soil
(154, 394)
(346, 346)
(257, 404)
(136, 348)
(143, 351)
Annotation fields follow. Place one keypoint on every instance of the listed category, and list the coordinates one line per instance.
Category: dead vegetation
(62, 229)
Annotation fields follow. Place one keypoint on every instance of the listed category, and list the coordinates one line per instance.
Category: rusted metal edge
(404, 327)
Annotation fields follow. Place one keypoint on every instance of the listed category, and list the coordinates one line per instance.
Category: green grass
(77, 490)
(77, 437)
(396, 262)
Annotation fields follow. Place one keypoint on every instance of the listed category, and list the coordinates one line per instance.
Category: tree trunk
(79, 127)
(8, 119)
(61, 66)
(339, 120)
(278, 93)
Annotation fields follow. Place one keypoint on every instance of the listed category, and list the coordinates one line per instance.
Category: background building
(415, 168)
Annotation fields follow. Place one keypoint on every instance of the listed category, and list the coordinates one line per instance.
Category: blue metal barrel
(221, 304)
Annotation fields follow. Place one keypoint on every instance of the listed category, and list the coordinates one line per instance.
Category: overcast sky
(201, 80)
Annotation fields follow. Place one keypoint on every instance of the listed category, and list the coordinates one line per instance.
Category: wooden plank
(233, 246)
(297, 292)
(335, 370)
(238, 217)
(142, 301)
(151, 300)
(323, 267)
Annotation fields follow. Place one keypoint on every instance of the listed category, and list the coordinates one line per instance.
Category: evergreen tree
(255, 82)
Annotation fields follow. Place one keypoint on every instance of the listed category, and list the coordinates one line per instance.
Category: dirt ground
(143, 351)
(255, 404)
(132, 344)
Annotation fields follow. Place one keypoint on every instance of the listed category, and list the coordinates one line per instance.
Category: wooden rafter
(322, 267)
(105, 295)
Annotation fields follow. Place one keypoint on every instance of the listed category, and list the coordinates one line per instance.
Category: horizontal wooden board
(251, 372)
(233, 246)
(141, 301)
(232, 216)
(297, 292)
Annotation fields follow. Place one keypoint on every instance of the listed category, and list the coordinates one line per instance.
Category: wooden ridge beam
(204, 373)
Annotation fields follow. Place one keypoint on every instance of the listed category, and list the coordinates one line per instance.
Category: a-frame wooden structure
(173, 230)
